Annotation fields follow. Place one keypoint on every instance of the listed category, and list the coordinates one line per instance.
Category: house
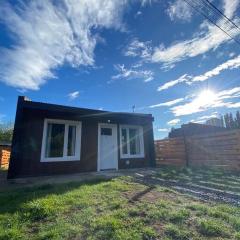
(191, 129)
(218, 122)
(53, 139)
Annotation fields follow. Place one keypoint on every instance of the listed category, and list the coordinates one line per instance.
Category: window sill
(132, 156)
(59, 160)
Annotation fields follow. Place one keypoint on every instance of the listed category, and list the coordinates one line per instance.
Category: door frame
(115, 132)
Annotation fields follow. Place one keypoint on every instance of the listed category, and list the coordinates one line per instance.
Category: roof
(193, 124)
(4, 143)
(27, 103)
(190, 129)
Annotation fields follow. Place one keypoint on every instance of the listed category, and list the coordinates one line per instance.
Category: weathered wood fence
(216, 149)
(5, 152)
(170, 151)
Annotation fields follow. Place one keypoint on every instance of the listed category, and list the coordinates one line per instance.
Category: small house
(53, 139)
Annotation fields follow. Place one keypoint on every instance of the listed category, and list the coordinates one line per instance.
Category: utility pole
(133, 108)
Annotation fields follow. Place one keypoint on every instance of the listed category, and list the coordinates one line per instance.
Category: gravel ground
(197, 191)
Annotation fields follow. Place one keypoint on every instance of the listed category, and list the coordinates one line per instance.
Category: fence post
(186, 148)
(0, 157)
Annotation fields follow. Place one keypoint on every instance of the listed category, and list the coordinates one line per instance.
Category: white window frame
(128, 155)
(76, 157)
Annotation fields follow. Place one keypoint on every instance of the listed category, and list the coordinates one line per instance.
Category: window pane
(55, 140)
(134, 141)
(71, 141)
(106, 131)
(124, 141)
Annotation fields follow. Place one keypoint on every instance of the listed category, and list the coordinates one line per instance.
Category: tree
(227, 121)
(231, 121)
(237, 119)
(222, 121)
(6, 132)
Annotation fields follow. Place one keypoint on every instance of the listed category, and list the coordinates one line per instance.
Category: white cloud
(138, 14)
(211, 39)
(137, 48)
(208, 100)
(48, 34)
(230, 7)
(174, 122)
(132, 73)
(228, 65)
(163, 129)
(149, 2)
(168, 104)
(180, 10)
(229, 93)
(203, 119)
(232, 54)
(73, 95)
(172, 83)
(207, 38)
(206, 117)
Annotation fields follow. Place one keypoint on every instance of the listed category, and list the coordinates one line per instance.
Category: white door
(107, 147)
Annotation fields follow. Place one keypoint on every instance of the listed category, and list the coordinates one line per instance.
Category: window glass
(134, 141)
(55, 140)
(106, 131)
(124, 141)
(71, 140)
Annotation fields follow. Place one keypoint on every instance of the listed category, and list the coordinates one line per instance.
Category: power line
(231, 26)
(224, 21)
(199, 10)
(222, 14)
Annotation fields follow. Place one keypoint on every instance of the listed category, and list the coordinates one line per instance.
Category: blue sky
(160, 56)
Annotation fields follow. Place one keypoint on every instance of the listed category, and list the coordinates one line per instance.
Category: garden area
(164, 203)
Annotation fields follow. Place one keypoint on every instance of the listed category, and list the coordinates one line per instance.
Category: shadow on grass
(12, 200)
(3, 175)
(137, 196)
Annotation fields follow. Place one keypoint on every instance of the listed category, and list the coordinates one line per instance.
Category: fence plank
(170, 151)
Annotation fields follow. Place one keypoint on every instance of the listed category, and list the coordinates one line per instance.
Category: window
(131, 141)
(61, 141)
(106, 131)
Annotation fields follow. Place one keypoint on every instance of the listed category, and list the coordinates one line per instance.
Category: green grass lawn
(119, 208)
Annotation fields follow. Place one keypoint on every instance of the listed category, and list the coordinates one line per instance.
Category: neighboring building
(53, 139)
(217, 122)
(190, 129)
(5, 151)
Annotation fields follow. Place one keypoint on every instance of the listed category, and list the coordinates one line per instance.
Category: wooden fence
(170, 151)
(216, 149)
(5, 152)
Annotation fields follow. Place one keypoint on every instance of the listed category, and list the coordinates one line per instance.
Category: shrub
(235, 222)
(174, 232)
(38, 210)
(237, 236)
(10, 234)
(179, 216)
(212, 228)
